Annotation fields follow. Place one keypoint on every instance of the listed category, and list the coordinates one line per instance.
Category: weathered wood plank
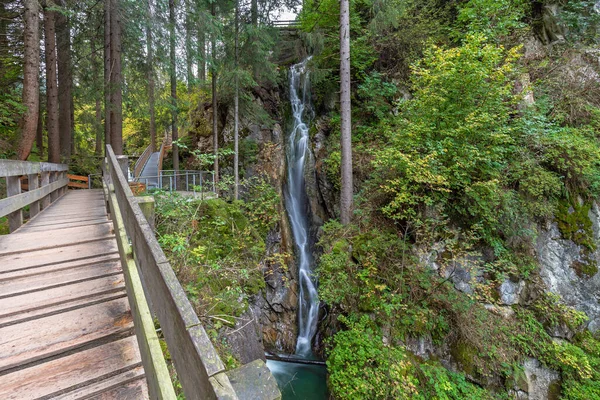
(72, 372)
(78, 185)
(74, 304)
(45, 337)
(136, 390)
(34, 183)
(51, 217)
(17, 200)
(45, 181)
(74, 219)
(78, 177)
(40, 261)
(29, 284)
(35, 228)
(18, 243)
(15, 213)
(59, 295)
(18, 168)
(111, 388)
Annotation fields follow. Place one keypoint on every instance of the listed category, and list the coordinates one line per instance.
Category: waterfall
(297, 205)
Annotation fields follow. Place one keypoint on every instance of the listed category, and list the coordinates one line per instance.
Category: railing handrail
(141, 162)
(199, 367)
(46, 183)
(18, 168)
(285, 23)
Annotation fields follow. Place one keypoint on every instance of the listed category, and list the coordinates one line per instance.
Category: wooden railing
(286, 24)
(141, 162)
(79, 181)
(46, 183)
(199, 368)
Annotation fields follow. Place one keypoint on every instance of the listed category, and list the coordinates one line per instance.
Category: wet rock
(245, 339)
(542, 382)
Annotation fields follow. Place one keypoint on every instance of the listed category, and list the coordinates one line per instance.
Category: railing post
(13, 188)
(187, 188)
(146, 203)
(53, 194)
(34, 183)
(124, 164)
(45, 182)
(63, 190)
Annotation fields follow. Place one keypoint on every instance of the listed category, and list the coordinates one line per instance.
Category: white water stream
(297, 207)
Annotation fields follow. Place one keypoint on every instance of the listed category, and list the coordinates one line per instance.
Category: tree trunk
(189, 48)
(98, 108)
(150, 62)
(201, 56)
(173, 72)
(65, 82)
(107, 71)
(39, 137)
(116, 98)
(213, 73)
(31, 92)
(51, 88)
(345, 117)
(236, 101)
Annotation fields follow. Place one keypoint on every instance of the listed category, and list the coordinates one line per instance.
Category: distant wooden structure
(79, 293)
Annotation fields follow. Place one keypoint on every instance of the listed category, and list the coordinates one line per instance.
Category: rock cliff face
(559, 264)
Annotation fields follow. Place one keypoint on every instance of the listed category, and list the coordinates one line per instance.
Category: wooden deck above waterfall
(66, 328)
(84, 285)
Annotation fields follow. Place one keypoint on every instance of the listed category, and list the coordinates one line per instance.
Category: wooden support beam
(45, 181)
(34, 183)
(15, 215)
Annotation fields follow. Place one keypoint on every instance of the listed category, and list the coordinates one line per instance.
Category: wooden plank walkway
(66, 329)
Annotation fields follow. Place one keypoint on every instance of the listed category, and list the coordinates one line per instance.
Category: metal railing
(186, 180)
(141, 162)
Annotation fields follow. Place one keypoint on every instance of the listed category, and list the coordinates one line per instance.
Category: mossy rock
(574, 223)
(554, 390)
(464, 354)
(585, 269)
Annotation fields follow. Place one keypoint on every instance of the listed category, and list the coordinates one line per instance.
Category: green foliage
(361, 366)
(216, 248)
(492, 18)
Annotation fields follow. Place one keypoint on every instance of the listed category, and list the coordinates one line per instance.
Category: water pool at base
(300, 381)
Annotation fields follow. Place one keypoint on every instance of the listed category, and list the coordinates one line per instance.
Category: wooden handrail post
(13, 188)
(54, 194)
(34, 183)
(45, 182)
(146, 203)
(124, 164)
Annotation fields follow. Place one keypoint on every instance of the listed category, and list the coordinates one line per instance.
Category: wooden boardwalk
(66, 329)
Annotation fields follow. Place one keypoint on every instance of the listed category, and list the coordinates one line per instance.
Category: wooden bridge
(83, 286)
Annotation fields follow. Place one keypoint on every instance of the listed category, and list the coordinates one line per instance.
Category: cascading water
(297, 208)
(300, 381)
